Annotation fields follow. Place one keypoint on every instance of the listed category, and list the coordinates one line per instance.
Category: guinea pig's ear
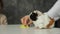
(38, 12)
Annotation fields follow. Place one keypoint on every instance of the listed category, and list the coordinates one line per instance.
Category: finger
(23, 20)
(30, 21)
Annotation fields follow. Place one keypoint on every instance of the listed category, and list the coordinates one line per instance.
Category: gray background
(15, 9)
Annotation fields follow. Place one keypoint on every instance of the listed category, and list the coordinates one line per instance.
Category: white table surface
(14, 29)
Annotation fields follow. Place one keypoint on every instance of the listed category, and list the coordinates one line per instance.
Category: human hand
(26, 20)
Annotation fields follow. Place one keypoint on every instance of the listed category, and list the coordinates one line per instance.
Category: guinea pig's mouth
(33, 16)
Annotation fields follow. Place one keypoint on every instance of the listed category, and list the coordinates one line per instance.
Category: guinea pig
(41, 20)
(3, 19)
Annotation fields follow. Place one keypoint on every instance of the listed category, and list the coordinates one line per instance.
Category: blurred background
(16, 9)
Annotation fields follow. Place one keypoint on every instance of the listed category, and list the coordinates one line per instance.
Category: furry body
(41, 20)
(3, 19)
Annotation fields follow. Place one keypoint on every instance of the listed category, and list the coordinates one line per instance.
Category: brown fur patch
(50, 23)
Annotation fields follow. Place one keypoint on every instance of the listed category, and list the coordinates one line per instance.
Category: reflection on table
(15, 29)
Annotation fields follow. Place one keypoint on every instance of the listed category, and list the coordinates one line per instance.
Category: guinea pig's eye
(33, 16)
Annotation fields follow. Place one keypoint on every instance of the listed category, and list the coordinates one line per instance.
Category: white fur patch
(42, 21)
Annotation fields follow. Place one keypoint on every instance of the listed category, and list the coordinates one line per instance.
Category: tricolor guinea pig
(41, 20)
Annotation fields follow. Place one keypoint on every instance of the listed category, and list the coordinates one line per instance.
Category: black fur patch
(33, 16)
